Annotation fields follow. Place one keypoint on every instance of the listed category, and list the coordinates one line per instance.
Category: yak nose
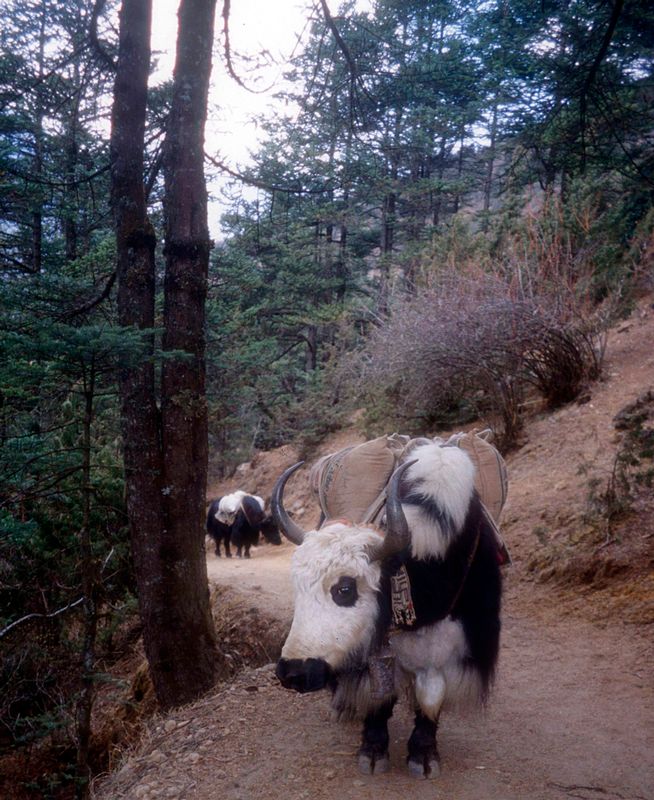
(303, 675)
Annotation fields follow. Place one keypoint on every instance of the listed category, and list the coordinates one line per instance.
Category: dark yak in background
(243, 532)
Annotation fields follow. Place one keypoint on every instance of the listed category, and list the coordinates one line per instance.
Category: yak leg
(228, 552)
(251, 541)
(423, 752)
(373, 753)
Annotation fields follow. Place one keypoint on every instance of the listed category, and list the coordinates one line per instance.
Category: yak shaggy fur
(447, 655)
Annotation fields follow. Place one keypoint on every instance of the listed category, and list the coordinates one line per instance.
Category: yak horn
(398, 535)
(290, 529)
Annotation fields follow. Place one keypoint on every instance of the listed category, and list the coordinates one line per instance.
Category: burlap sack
(491, 478)
(349, 481)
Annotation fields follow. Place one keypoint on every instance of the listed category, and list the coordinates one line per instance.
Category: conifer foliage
(449, 203)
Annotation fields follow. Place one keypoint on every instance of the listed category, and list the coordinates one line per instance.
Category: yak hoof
(373, 764)
(428, 768)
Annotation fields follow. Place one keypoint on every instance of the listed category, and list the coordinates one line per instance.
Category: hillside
(573, 710)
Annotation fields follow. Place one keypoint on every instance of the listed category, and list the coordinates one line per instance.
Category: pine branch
(228, 53)
(259, 184)
(59, 611)
(96, 44)
(91, 304)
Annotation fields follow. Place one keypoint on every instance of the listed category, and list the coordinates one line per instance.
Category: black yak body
(238, 519)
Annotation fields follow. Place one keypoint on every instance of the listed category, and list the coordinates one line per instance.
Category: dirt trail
(572, 714)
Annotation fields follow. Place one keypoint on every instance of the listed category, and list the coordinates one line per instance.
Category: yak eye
(344, 592)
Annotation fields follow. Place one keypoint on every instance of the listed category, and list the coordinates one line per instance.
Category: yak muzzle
(303, 675)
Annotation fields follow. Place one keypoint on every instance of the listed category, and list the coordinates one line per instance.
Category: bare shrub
(475, 343)
(561, 363)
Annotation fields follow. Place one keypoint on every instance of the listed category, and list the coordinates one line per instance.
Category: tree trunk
(311, 356)
(459, 171)
(135, 243)
(388, 219)
(190, 633)
(72, 157)
(440, 174)
(490, 164)
(89, 588)
(168, 559)
(341, 269)
(37, 213)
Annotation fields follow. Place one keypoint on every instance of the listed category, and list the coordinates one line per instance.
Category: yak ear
(398, 535)
(290, 529)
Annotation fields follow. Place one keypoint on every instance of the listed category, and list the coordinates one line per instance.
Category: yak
(237, 519)
(435, 556)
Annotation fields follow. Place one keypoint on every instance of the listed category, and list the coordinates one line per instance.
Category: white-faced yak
(237, 519)
(409, 611)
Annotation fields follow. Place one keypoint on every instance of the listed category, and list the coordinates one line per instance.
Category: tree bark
(37, 213)
(135, 243)
(168, 560)
(89, 587)
(490, 164)
(388, 217)
(183, 402)
(72, 157)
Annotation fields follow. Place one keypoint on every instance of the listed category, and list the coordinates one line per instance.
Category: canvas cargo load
(351, 483)
(348, 482)
(491, 478)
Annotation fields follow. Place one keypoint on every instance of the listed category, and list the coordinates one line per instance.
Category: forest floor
(572, 714)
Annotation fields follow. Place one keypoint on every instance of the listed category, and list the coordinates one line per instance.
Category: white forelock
(322, 629)
(444, 475)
